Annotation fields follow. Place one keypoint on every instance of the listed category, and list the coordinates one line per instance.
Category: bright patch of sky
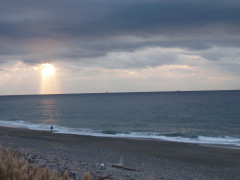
(119, 46)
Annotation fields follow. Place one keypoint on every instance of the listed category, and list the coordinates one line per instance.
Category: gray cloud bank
(71, 30)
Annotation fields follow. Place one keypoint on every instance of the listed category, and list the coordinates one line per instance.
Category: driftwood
(122, 167)
(105, 177)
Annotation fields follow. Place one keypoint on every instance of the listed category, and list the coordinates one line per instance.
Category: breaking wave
(176, 137)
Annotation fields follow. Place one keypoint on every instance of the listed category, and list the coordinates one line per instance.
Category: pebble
(75, 169)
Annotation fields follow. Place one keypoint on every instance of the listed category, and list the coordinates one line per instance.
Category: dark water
(204, 117)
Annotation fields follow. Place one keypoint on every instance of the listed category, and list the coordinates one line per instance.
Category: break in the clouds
(126, 34)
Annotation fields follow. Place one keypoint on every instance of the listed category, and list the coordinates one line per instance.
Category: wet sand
(142, 159)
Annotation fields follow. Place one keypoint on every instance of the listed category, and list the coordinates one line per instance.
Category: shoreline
(219, 141)
(152, 158)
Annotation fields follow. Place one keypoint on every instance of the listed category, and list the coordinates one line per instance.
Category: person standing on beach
(51, 128)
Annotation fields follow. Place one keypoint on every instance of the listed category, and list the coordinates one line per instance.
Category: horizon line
(123, 92)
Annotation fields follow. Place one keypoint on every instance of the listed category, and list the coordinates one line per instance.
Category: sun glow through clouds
(48, 70)
(49, 83)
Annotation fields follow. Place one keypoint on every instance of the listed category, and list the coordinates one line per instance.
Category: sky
(94, 46)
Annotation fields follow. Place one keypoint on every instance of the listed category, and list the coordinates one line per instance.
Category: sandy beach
(115, 158)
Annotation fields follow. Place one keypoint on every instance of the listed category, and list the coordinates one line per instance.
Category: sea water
(210, 117)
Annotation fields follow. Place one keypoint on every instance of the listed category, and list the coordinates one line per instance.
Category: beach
(118, 158)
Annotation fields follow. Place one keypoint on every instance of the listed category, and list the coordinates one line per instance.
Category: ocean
(205, 117)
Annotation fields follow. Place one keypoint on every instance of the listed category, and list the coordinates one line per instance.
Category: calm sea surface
(195, 117)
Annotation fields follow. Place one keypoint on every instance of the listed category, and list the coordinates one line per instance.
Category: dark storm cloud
(146, 19)
(94, 28)
(94, 19)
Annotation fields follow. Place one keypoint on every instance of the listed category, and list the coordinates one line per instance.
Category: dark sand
(151, 159)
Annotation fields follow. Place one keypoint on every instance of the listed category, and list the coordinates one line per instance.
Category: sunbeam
(49, 83)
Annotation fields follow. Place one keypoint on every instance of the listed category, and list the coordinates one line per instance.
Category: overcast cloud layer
(122, 34)
(70, 29)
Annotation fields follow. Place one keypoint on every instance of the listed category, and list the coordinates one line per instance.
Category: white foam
(13, 124)
(219, 140)
(136, 135)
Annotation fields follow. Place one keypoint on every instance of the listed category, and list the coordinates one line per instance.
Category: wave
(177, 137)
